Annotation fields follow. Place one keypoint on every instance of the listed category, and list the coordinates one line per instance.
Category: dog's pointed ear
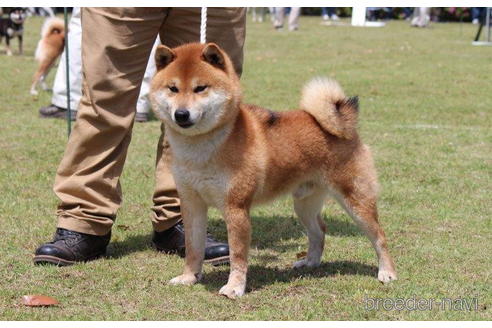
(163, 56)
(213, 55)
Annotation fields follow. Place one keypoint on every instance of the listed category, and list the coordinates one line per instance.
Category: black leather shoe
(69, 247)
(173, 241)
(53, 111)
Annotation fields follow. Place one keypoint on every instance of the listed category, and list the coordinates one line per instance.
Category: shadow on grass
(269, 232)
(131, 244)
(337, 226)
(260, 276)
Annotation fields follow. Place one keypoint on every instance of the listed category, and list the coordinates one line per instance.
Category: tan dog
(231, 156)
(48, 50)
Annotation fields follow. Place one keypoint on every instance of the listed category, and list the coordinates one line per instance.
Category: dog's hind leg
(358, 196)
(308, 208)
(39, 76)
(364, 213)
(35, 81)
(44, 86)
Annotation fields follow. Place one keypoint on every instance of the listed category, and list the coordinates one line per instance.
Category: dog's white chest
(208, 181)
(195, 166)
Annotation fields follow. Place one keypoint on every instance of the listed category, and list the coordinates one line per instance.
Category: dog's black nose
(182, 116)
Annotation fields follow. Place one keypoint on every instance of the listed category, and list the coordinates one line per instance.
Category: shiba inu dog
(49, 48)
(230, 155)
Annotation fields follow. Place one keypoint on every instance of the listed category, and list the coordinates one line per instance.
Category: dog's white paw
(232, 292)
(385, 276)
(9, 53)
(34, 92)
(185, 279)
(306, 263)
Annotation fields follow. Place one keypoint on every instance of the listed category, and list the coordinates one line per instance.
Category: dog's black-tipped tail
(325, 100)
(53, 25)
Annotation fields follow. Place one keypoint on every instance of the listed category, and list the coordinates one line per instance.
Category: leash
(69, 113)
(203, 26)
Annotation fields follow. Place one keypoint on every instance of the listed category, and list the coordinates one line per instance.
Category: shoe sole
(215, 261)
(61, 115)
(54, 115)
(58, 261)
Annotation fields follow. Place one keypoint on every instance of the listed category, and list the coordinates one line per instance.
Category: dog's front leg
(194, 213)
(239, 237)
(7, 43)
(21, 50)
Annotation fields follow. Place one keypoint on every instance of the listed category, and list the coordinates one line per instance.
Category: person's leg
(294, 18)
(49, 12)
(279, 17)
(333, 13)
(324, 13)
(407, 12)
(478, 14)
(59, 99)
(116, 44)
(475, 13)
(115, 48)
(424, 16)
(143, 102)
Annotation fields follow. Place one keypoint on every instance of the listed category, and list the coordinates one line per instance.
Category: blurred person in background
(478, 14)
(58, 106)
(421, 17)
(294, 14)
(328, 13)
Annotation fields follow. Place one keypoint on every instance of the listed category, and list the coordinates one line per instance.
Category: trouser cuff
(82, 226)
(161, 225)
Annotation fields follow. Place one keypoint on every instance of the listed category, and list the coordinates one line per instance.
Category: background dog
(48, 50)
(231, 156)
(12, 26)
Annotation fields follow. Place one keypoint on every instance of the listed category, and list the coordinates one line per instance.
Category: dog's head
(18, 15)
(195, 89)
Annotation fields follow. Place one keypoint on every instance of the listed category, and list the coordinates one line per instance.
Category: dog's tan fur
(48, 50)
(236, 155)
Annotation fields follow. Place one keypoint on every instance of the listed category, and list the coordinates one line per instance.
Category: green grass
(426, 112)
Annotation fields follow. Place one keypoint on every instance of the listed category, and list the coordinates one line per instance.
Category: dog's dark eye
(173, 89)
(199, 88)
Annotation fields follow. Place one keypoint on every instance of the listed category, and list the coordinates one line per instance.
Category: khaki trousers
(116, 44)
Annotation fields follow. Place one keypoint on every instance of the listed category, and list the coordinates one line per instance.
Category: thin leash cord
(69, 114)
(203, 26)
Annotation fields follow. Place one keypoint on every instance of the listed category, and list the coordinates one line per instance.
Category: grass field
(426, 106)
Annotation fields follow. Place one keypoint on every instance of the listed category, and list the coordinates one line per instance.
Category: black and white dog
(12, 26)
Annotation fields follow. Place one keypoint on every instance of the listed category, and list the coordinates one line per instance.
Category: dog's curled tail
(52, 25)
(325, 100)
